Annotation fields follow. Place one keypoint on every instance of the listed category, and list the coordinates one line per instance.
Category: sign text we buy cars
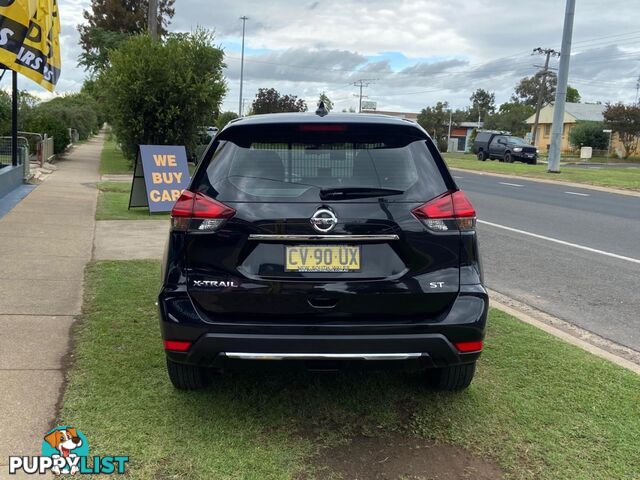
(166, 174)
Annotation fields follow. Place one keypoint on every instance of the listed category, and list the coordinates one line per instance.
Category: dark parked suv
(506, 148)
(325, 240)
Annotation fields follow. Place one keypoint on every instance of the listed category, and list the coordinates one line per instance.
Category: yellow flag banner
(29, 39)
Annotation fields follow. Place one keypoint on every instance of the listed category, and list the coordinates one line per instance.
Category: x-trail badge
(324, 220)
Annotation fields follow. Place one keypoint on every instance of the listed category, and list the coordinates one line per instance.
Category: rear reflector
(449, 211)
(197, 212)
(177, 345)
(466, 347)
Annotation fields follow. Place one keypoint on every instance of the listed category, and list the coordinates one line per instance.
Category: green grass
(113, 203)
(112, 160)
(539, 407)
(626, 178)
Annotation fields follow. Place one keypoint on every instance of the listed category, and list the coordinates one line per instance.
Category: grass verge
(626, 178)
(112, 160)
(113, 203)
(541, 408)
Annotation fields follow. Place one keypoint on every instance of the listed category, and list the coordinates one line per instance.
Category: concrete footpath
(45, 243)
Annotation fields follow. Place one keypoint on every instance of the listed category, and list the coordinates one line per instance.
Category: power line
(470, 68)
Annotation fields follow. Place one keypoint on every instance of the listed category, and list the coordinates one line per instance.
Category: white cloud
(417, 51)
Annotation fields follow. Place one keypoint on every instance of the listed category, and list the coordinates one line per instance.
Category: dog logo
(65, 450)
(65, 443)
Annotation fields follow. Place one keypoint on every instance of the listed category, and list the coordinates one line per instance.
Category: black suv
(327, 240)
(506, 148)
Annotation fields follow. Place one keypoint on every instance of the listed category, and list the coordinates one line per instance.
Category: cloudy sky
(412, 52)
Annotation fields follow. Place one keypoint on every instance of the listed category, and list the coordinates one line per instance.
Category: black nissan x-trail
(326, 239)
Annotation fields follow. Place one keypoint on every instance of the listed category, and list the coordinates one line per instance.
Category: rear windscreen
(299, 162)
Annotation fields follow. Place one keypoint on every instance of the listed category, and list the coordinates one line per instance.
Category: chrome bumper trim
(324, 238)
(321, 356)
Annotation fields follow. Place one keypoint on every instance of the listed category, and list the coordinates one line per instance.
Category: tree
(328, 104)
(482, 103)
(224, 118)
(510, 117)
(435, 120)
(625, 121)
(589, 134)
(162, 92)
(573, 96)
(50, 123)
(463, 115)
(269, 100)
(5, 113)
(110, 22)
(527, 90)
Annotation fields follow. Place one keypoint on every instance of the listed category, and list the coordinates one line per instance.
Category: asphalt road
(573, 253)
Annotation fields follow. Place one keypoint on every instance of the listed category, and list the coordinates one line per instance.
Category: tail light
(199, 213)
(449, 211)
(177, 345)
(468, 347)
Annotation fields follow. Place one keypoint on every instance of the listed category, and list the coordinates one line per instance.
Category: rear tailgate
(249, 269)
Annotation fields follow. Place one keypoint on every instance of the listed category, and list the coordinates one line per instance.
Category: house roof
(573, 112)
(585, 111)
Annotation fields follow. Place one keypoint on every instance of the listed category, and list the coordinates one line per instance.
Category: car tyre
(533, 162)
(187, 377)
(452, 378)
(508, 158)
(482, 156)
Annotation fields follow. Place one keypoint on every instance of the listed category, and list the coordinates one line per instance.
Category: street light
(244, 21)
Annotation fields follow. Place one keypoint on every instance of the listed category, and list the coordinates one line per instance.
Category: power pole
(543, 79)
(244, 21)
(449, 132)
(152, 19)
(638, 90)
(361, 83)
(14, 119)
(561, 89)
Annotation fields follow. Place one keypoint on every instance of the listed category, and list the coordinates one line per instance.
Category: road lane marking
(456, 176)
(511, 184)
(561, 242)
(577, 193)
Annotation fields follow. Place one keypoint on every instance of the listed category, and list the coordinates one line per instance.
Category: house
(459, 141)
(573, 113)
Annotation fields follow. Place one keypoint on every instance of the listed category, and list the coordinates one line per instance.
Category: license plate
(322, 258)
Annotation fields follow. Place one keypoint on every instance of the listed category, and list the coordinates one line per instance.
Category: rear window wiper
(340, 193)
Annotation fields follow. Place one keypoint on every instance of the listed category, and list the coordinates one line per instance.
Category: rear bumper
(431, 341)
(214, 349)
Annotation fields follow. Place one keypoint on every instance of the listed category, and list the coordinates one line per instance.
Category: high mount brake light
(449, 211)
(322, 128)
(199, 213)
